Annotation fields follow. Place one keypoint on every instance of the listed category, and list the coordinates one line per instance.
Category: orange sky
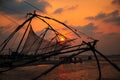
(98, 17)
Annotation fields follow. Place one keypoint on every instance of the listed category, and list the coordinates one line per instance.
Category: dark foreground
(80, 71)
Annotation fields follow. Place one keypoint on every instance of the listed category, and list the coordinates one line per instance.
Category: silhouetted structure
(32, 48)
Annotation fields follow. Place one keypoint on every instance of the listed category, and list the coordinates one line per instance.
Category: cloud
(114, 13)
(4, 32)
(97, 17)
(112, 17)
(1, 29)
(87, 29)
(73, 7)
(89, 26)
(115, 20)
(116, 2)
(15, 7)
(109, 43)
(58, 11)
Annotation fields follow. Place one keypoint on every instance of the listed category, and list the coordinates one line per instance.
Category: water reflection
(68, 72)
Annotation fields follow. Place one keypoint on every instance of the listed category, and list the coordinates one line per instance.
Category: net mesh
(37, 45)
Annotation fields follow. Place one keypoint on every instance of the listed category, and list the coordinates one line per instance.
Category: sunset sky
(97, 18)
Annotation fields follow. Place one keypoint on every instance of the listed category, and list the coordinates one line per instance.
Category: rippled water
(80, 71)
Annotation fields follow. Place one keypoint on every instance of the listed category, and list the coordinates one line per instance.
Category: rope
(84, 34)
(10, 9)
(33, 6)
(8, 18)
(58, 64)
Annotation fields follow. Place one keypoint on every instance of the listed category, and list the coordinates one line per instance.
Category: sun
(19, 1)
(61, 39)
